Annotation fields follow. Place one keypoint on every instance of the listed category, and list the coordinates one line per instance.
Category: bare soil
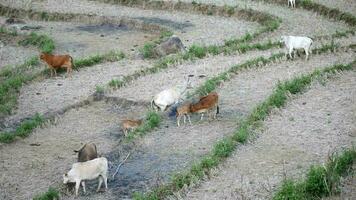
(343, 5)
(300, 135)
(54, 94)
(155, 157)
(293, 138)
(15, 55)
(191, 28)
(28, 170)
(83, 39)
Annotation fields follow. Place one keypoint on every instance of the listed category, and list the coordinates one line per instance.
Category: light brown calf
(183, 110)
(55, 62)
(206, 103)
(129, 124)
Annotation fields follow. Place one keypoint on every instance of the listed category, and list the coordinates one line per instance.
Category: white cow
(297, 42)
(291, 3)
(89, 170)
(169, 96)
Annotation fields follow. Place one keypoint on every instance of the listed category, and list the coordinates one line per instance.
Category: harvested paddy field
(277, 116)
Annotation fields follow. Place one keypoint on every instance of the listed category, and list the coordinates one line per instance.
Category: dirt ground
(191, 28)
(294, 138)
(303, 133)
(165, 150)
(53, 94)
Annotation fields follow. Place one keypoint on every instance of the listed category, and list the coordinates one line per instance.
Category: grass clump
(225, 147)
(151, 121)
(116, 83)
(51, 194)
(11, 81)
(23, 130)
(321, 181)
(112, 56)
(43, 42)
(197, 51)
(148, 50)
(99, 89)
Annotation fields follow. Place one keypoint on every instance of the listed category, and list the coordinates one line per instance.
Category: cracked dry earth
(292, 139)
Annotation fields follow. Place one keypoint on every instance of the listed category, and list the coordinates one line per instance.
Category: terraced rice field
(89, 106)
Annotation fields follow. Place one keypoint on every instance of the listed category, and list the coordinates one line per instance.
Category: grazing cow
(55, 62)
(87, 152)
(170, 96)
(297, 42)
(89, 170)
(291, 3)
(129, 124)
(206, 103)
(183, 110)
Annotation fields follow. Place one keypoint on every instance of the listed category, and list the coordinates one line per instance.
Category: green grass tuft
(321, 181)
(197, 51)
(43, 42)
(148, 50)
(23, 130)
(112, 56)
(152, 121)
(51, 194)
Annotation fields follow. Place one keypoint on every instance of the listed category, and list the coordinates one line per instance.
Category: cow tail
(152, 103)
(71, 61)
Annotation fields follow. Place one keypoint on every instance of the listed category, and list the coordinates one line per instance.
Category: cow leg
(190, 122)
(51, 69)
(202, 116)
(290, 53)
(105, 181)
(83, 184)
(184, 118)
(178, 120)
(216, 110)
(306, 53)
(100, 182)
(77, 185)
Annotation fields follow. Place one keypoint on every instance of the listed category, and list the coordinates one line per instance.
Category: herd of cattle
(90, 166)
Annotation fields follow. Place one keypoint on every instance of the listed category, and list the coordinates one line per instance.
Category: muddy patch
(166, 22)
(106, 28)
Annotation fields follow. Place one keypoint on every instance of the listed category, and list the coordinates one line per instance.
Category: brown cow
(55, 62)
(87, 152)
(206, 103)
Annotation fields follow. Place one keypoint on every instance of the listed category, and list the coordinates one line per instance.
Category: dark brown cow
(87, 152)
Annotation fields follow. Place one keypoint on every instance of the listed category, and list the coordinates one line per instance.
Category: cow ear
(65, 174)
